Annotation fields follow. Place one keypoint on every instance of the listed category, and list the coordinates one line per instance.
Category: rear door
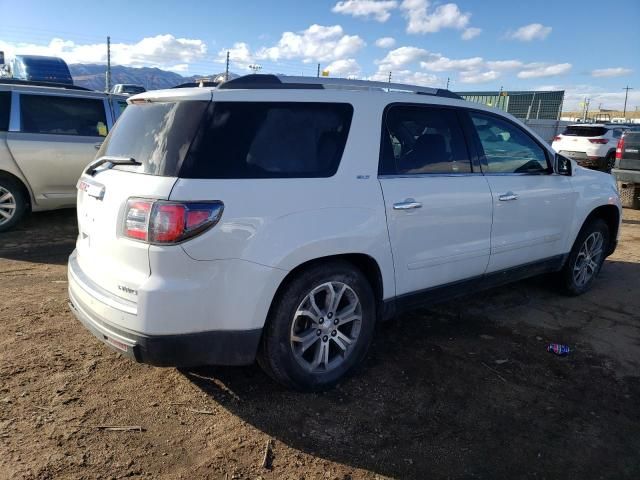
(56, 141)
(532, 206)
(438, 205)
(629, 156)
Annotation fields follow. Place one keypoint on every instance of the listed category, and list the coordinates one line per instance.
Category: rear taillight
(165, 222)
(599, 141)
(619, 149)
(557, 138)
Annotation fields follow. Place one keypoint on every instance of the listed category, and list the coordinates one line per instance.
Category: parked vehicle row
(280, 218)
(48, 135)
(591, 145)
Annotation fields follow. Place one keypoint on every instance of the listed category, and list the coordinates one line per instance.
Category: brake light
(165, 222)
(557, 138)
(599, 141)
(619, 149)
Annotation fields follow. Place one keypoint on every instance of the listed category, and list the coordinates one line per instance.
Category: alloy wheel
(7, 205)
(588, 259)
(325, 327)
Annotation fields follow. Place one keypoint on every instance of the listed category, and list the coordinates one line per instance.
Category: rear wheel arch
(366, 264)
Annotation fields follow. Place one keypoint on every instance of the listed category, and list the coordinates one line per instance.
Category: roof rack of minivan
(16, 81)
(274, 82)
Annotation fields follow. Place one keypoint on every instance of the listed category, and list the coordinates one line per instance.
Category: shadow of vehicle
(43, 237)
(447, 392)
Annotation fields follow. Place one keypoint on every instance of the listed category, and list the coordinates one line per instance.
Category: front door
(438, 208)
(532, 206)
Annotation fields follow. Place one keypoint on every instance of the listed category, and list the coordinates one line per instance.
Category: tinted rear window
(585, 131)
(158, 135)
(5, 108)
(269, 140)
(58, 115)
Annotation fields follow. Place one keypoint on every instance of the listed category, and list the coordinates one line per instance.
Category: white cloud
(443, 64)
(575, 94)
(379, 10)
(419, 20)
(162, 51)
(347, 67)
(471, 32)
(239, 54)
(533, 31)
(504, 64)
(610, 72)
(316, 43)
(385, 42)
(478, 77)
(406, 76)
(537, 70)
(402, 56)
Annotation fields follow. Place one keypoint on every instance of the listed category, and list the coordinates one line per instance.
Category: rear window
(5, 108)
(60, 115)
(269, 140)
(157, 135)
(581, 131)
(195, 139)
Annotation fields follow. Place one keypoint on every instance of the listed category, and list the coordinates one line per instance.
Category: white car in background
(591, 145)
(48, 136)
(280, 218)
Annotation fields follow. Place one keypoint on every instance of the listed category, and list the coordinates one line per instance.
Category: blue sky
(588, 48)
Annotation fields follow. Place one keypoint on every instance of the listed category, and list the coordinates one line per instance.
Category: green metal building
(544, 105)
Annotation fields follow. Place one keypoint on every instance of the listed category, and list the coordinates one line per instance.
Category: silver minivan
(48, 135)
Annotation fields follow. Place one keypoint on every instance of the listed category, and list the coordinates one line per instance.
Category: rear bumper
(587, 160)
(217, 347)
(626, 176)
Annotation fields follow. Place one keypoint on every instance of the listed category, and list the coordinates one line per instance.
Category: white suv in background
(282, 217)
(591, 145)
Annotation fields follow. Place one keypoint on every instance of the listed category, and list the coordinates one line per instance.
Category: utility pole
(226, 72)
(448, 83)
(318, 74)
(389, 77)
(626, 94)
(108, 74)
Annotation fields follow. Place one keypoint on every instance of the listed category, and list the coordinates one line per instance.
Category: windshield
(580, 131)
(157, 135)
(133, 89)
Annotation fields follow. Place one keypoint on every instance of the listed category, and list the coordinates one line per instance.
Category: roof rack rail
(276, 82)
(37, 83)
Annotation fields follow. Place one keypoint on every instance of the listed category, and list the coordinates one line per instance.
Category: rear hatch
(576, 138)
(156, 132)
(630, 155)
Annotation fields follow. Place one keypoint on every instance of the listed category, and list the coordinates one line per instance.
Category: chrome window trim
(430, 175)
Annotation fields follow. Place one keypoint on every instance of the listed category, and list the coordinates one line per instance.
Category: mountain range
(93, 76)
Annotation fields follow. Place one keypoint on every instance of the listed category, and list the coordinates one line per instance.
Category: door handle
(409, 204)
(505, 197)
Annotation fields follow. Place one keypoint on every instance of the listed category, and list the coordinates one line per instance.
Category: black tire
(610, 161)
(20, 202)
(566, 276)
(276, 354)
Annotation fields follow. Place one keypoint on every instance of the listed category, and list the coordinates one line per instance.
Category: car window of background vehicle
(59, 115)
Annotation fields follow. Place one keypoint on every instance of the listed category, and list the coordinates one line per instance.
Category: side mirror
(563, 165)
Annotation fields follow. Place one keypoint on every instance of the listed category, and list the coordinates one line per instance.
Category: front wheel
(319, 328)
(586, 258)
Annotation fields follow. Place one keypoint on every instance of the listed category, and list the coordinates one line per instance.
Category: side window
(270, 140)
(423, 140)
(62, 115)
(5, 109)
(507, 148)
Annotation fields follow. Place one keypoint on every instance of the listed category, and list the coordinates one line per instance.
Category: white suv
(282, 217)
(591, 145)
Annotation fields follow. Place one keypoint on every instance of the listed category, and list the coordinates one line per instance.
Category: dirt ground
(463, 390)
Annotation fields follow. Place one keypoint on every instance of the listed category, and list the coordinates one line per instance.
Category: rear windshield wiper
(111, 160)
